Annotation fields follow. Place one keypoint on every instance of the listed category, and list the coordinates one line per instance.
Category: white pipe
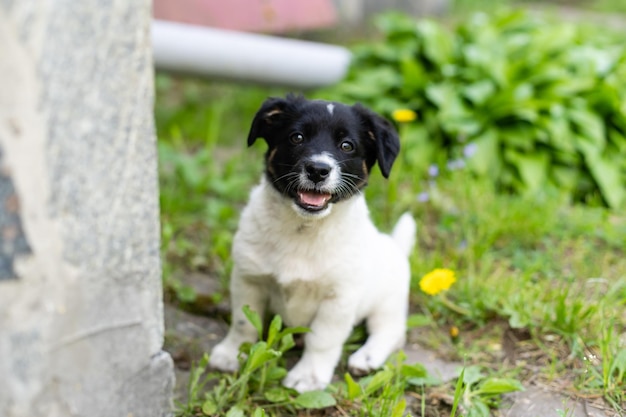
(207, 52)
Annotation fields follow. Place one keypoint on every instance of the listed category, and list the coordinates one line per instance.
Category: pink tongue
(314, 199)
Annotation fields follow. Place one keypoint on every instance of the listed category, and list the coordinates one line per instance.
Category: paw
(302, 378)
(224, 358)
(362, 362)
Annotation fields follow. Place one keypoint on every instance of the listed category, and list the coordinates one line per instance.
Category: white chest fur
(300, 262)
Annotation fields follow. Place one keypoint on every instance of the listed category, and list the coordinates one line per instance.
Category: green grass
(551, 273)
(607, 6)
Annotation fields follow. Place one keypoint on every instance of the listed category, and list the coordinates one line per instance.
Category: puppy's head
(320, 152)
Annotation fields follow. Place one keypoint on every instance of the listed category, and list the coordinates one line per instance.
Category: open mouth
(312, 200)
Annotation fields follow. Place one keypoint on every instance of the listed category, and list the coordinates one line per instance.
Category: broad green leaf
(416, 374)
(413, 75)
(607, 174)
(438, 43)
(259, 412)
(618, 367)
(499, 386)
(447, 99)
(459, 125)
(523, 92)
(560, 135)
(532, 168)
(439, 94)
(275, 373)
(566, 177)
(286, 342)
(520, 137)
(398, 409)
(415, 370)
(593, 60)
(235, 411)
(273, 330)
(286, 337)
(609, 179)
(209, 407)
(377, 381)
(478, 409)
(569, 86)
(254, 318)
(418, 320)
(472, 374)
(258, 356)
(486, 159)
(382, 77)
(590, 126)
(479, 92)
(618, 139)
(293, 330)
(354, 389)
(314, 399)
(276, 395)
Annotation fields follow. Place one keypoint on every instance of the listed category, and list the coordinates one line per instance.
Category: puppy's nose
(317, 171)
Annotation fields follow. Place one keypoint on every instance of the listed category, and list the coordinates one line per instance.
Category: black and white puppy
(306, 247)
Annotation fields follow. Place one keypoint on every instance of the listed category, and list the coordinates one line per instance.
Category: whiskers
(346, 186)
(293, 181)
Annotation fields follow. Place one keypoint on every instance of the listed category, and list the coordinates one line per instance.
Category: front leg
(330, 328)
(386, 326)
(242, 292)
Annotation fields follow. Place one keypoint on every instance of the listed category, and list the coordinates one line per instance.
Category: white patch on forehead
(330, 107)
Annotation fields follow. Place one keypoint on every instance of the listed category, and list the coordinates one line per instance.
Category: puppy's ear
(382, 132)
(268, 116)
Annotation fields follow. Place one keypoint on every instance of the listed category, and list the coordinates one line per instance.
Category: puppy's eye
(346, 146)
(296, 138)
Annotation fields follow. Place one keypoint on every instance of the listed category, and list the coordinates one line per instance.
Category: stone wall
(81, 326)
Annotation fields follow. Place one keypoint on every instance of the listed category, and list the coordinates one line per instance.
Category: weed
(257, 383)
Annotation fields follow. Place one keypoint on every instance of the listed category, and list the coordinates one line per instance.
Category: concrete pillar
(81, 325)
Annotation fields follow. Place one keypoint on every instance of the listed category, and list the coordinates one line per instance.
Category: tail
(404, 233)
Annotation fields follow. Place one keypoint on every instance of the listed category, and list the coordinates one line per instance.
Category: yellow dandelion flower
(437, 280)
(404, 115)
(454, 332)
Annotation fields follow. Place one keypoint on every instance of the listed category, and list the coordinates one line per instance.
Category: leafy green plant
(256, 386)
(537, 104)
(607, 373)
(480, 392)
(383, 393)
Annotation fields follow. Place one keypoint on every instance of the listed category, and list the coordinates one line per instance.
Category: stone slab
(440, 369)
(537, 402)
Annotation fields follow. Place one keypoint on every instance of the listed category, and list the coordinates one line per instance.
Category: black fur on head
(322, 147)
